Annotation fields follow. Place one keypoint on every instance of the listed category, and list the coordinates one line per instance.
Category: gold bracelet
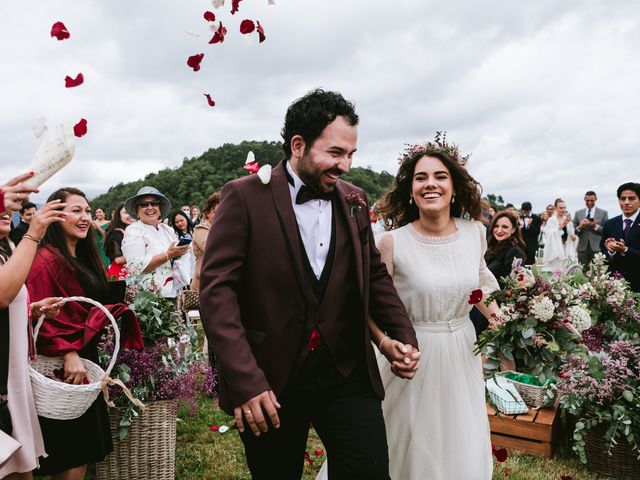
(32, 238)
(384, 339)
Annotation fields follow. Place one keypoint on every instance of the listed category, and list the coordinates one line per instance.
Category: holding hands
(404, 359)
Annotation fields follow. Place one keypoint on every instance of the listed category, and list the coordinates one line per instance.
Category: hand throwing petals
(210, 100)
(80, 128)
(73, 82)
(247, 26)
(218, 37)
(234, 6)
(194, 61)
(59, 31)
(475, 297)
(261, 32)
(209, 16)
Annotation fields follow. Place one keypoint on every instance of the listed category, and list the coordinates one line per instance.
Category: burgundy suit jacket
(253, 296)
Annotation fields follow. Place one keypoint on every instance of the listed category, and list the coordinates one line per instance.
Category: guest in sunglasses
(150, 247)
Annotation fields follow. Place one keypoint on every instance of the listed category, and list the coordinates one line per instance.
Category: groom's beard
(313, 178)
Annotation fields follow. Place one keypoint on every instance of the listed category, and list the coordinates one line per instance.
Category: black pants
(348, 418)
(586, 256)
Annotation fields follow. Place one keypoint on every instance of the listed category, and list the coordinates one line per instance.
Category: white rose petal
(223, 429)
(265, 173)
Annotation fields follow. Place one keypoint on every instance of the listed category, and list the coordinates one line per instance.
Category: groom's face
(329, 156)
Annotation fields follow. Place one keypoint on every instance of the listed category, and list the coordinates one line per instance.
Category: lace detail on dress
(435, 240)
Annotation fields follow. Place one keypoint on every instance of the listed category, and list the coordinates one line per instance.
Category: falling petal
(193, 33)
(265, 173)
(250, 157)
(39, 127)
(234, 6)
(194, 61)
(73, 82)
(209, 16)
(210, 100)
(247, 26)
(80, 128)
(59, 31)
(218, 37)
(261, 32)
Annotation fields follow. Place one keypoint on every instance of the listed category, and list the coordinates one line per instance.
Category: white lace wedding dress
(437, 426)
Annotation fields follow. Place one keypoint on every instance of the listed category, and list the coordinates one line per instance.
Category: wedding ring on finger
(247, 412)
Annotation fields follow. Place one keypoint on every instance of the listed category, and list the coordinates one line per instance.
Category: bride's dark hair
(394, 205)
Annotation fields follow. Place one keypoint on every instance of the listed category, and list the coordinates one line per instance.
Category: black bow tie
(306, 193)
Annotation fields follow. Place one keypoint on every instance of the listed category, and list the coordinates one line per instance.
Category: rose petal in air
(218, 37)
(73, 82)
(247, 26)
(261, 32)
(194, 61)
(209, 16)
(234, 6)
(59, 31)
(252, 167)
(265, 173)
(80, 128)
(475, 297)
(210, 100)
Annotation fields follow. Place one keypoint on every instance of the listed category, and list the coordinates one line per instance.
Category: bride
(437, 426)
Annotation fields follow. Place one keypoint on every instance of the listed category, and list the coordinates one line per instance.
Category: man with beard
(290, 276)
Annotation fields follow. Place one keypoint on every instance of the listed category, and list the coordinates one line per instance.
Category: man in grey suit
(588, 223)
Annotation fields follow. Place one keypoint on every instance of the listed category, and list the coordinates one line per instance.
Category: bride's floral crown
(439, 145)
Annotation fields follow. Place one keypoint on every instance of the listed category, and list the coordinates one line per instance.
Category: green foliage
(198, 177)
(157, 316)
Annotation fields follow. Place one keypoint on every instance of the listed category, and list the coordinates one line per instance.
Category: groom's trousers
(346, 414)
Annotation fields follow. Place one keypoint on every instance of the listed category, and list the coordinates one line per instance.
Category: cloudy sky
(543, 93)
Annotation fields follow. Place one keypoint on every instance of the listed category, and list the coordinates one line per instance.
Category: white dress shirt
(314, 222)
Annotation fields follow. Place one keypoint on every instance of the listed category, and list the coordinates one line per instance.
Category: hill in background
(197, 178)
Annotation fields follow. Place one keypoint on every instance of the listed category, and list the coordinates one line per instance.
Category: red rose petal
(80, 128)
(210, 100)
(59, 31)
(505, 472)
(194, 61)
(209, 16)
(234, 6)
(218, 37)
(475, 297)
(318, 452)
(213, 428)
(314, 340)
(251, 167)
(306, 454)
(247, 26)
(73, 82)
(501, 454)
(261, 32)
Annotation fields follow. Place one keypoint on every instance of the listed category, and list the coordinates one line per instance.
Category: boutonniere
(355, 201)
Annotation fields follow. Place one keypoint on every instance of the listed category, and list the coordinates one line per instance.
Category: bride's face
(432, 186)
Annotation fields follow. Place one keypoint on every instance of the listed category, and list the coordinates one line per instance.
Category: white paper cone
(56, 150)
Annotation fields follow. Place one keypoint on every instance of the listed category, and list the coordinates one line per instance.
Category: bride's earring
(453, 199)
(410, 200)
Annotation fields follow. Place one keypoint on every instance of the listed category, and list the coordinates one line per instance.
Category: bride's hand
(404, 359)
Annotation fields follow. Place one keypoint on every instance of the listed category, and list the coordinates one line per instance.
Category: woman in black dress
(113, 241)
(504, 245)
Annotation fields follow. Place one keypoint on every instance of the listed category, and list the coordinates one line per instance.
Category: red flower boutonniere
(355, 201)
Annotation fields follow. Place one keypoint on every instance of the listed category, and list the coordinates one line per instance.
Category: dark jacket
(500, 261)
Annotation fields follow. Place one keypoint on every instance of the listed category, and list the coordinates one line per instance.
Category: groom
(289, 279)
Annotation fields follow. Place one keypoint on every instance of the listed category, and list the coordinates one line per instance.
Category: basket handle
(116, 331)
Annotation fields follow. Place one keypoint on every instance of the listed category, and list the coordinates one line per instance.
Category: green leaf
(628, 395)
(595, 368)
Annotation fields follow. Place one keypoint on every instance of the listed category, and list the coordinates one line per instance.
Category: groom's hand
(255, 411)
(404, 359)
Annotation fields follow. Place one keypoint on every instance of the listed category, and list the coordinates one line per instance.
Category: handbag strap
(4, 350)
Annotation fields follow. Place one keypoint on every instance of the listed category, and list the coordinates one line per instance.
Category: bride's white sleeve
(487, 281)
(385, 246)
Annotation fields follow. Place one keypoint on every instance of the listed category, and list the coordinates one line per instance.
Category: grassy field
(207, 455)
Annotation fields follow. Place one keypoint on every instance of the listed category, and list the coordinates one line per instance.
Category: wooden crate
(532, 433)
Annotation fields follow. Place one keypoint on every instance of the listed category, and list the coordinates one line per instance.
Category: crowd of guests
(62, 250)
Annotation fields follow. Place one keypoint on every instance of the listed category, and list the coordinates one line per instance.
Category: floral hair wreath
(440, 145)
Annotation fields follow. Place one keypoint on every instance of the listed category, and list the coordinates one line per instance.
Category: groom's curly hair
(309, 115)
(395, 207)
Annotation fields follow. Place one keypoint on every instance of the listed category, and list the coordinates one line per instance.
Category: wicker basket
(148, 451)
(622, 463)
(63, 401)
(534, 397)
